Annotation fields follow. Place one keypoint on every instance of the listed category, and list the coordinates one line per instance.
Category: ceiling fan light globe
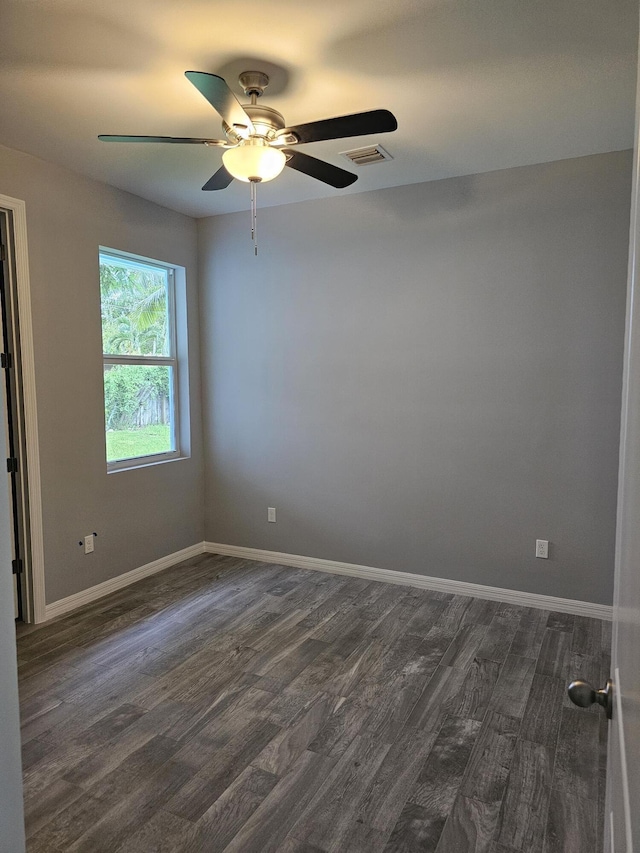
(254, 160)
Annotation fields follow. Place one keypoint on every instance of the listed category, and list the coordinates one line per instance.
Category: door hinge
(12, 465)
(6, 360)
(16, 567)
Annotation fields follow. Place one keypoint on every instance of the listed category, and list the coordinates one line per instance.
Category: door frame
(35, 601)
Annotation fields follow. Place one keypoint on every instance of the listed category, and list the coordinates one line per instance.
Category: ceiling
(476, 85)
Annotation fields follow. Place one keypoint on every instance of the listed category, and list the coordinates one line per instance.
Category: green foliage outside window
(134, 310)
(135, 322)
(135, 396)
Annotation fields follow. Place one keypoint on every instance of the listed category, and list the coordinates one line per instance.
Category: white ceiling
(476, 85)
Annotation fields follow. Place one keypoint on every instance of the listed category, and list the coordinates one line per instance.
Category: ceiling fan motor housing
(266, 121)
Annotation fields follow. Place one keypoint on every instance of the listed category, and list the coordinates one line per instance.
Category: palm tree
(134, 310)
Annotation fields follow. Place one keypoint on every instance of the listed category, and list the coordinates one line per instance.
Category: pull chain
(254, 215)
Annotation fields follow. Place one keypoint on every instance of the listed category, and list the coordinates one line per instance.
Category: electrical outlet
(542, 549)
(271, 514)
(88, 544)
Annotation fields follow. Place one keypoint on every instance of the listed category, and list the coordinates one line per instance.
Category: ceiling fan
(258, 143)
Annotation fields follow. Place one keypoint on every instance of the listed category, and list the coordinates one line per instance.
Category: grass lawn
(129, 443)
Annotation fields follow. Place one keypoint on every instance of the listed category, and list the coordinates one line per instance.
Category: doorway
(13, 416)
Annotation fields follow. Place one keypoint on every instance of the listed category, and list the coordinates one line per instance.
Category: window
(138, 302)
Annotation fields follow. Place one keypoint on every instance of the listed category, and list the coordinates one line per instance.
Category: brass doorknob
(583, 694)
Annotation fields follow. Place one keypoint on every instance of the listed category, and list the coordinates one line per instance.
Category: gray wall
(139, 515)
(11, 813)
(425, 378)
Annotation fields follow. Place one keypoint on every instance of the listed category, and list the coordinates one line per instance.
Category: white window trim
(171, 360)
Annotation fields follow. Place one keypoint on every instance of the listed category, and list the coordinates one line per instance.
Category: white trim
(624, 773)
(86, 596)
(36, 605)
(494, 593)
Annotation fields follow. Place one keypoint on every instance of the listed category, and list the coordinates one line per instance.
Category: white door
(622, 818)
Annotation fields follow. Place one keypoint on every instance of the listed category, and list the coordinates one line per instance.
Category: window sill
(143, 462)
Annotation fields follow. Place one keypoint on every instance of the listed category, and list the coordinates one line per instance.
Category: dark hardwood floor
(245, 707)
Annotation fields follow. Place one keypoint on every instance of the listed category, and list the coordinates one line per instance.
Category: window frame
(172, 360)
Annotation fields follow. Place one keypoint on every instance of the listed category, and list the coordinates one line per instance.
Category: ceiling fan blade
(179, 140)
(357, 124)
(319, 169)
(219, 181)
(222, 99)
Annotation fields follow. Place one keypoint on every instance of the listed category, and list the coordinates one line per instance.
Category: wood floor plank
(511, 693)
(427, 614)
(391, 710)
(555, 654)
(378, 600)
(85, 765)
(328, 818)
(221, 822)
(118, 823)
(276, 677)
(470, 827)
(343, 593)
(577, 754)
(266, 829)
(394, 624)
(587, 636)
(488, 768)
(54, 798)
(214, 775)
(395, 780)
(523, 816)
(481, 611)
(464, 647)
(335, 627)
(66, 825)
(542, 715)
(437, 785)
(289, 744)
(416, 831)
(572, 824)
(284, 708)
(346, 720)
(437, 698)
(236, 697)
(500, 635)
(320, 674)
(452, 617)
(361, 672)
(163, 833)
(364, 839)
(133, 772)
(472, 700)
(561, 622)
(530, 634)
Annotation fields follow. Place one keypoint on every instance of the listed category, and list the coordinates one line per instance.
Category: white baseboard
(509, 596)
(494, 593)
(85, 596)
